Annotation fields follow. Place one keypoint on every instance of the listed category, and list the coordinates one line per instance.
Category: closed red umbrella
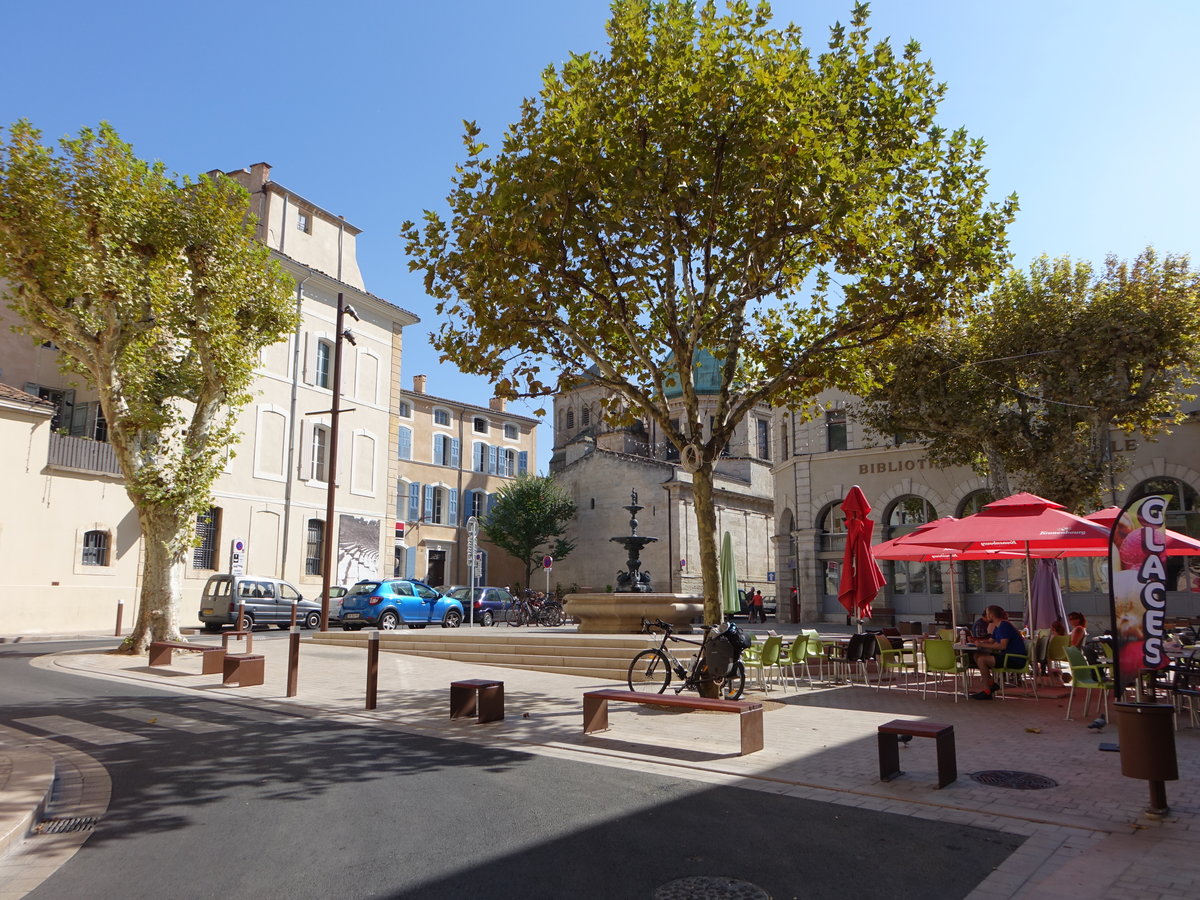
(861, 577)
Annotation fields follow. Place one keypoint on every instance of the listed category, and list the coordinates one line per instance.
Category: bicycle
(527, 611)
(651, 670)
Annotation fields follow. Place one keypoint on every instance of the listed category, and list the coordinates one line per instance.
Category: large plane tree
(710, 184)
(157, 295)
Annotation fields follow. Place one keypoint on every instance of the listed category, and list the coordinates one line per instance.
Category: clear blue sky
(1086, 105)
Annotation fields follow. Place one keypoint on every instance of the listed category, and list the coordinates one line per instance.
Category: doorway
(435, 573)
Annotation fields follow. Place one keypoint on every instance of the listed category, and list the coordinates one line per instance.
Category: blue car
(389, 603)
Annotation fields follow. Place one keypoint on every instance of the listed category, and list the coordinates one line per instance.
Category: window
(570, 418)
(480, 425)
(984, 576)
(835, 429)
(87, 420)
(441, 505)
(833, 528)
(414, 501)
(783, 437)
(764, 438)
(304, 221)
(319, 470)
(907, 513)
(445, 450)
(479, 456)
(523, 462)
(476, 504)
(404, 443)
(323, 376)
(95, 548)
(204, 554)
(404, 410)
(585, 416)
(314, 551)
(441, 417)
(510, 431)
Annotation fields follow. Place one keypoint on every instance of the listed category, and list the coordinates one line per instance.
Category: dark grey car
(489, 605)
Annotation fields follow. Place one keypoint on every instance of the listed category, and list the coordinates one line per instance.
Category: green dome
(707, 376)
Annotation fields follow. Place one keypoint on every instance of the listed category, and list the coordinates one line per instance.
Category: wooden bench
(595, 711)
(889, 748)
(244, 669)
(210, 663)
(248, 635)
(477, 696)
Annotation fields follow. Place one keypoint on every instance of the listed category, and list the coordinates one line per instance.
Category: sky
(1085, 105)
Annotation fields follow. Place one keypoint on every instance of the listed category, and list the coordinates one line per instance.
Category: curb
(25, 788)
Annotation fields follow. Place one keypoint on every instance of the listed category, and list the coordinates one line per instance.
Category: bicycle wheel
(650, 672)
(552, 615)
(515, 615)
(735, 682)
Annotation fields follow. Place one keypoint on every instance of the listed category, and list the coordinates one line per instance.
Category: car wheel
(282, 626)
(347, 628)
(486, 619)
(388, 620)
(246, 623)
(312, 621)
(453, 619)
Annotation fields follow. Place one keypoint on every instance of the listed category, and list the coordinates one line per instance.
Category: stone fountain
(634, 599)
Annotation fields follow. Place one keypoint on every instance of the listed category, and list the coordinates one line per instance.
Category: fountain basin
(622, 613)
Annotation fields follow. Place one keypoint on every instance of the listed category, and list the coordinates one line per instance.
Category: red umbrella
(1178, 544)
(1023, 522)
(861, 576)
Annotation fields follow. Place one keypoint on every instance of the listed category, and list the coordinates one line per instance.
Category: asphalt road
(215, 798)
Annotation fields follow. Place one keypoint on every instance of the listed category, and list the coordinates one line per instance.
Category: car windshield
(365, 587)
(459, 593)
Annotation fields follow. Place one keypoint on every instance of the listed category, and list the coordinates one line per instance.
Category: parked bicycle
(528, 610)
(651, 670)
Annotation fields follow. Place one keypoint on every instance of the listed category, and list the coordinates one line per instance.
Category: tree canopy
(711, 184)
(1028, 383)
(528, 520)
(160, 298)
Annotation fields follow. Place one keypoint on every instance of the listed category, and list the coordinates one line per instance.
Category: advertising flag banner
(1137, 588)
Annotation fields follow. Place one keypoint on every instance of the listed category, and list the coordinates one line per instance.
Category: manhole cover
(708, 887)
(1019, 781)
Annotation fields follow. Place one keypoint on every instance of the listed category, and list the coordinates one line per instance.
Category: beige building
(72, 524)
(453, 458)
(821, 459)
(600, 466)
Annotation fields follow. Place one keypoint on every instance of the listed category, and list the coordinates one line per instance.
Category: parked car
(489, 605)
(264, 601)
(336, 593)
(390, 602)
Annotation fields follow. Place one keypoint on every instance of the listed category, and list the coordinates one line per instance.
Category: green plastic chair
(892, 658)
(942, 659)
(766, 658)
(1024, 670)
(1056, 652)
(797, 656)
(946, 634)
(1087, 678)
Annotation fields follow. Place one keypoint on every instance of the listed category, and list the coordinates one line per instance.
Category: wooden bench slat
(709, 703)
(211, 661)
(916, 729)
(750, 714)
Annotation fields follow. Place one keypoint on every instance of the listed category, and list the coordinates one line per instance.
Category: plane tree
(528, 519)
(157, 295)
(709, 185)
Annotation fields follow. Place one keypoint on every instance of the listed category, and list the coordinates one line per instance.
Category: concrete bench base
(211, 661)
(244, 669)
(477, 696)
(889, 748)
(595, 711)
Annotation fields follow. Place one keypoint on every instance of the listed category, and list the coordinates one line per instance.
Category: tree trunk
(162, 580)
(997, 474)
(706, 530)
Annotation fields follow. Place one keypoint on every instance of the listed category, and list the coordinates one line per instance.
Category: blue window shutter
(410, 562)
(452, 511)
(466, 505)
(491, 501)
(439, 449)
(477, 457)
(429, 489)
(401, 500)
(523, 462)
(455, 452)
(404, 445)
(493, 459)
(414, 501)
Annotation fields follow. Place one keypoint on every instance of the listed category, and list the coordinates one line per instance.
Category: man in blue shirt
(1005, 648)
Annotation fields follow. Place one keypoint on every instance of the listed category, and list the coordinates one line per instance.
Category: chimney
(260, 174)
(418, 384)
(497, 403)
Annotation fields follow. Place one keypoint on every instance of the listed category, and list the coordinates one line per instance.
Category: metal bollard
(372, 668)
(293, 658)
(120, 612)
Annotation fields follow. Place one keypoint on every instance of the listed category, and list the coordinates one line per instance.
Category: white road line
(167, 720)
(84, 731)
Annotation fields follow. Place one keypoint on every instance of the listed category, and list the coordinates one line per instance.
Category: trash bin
(1147, 735)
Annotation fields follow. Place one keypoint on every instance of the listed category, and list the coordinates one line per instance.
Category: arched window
(912, 577)
(95, 548)
(907, 513)
(570, 419)
(314, 550)
(585, 416)
(832, 523)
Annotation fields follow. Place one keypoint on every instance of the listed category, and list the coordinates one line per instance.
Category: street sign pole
(473, 563)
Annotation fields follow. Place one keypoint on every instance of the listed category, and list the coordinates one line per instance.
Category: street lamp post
(335, 411)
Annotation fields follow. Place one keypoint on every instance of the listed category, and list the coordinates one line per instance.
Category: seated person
(1005, 648)
(1078, 629)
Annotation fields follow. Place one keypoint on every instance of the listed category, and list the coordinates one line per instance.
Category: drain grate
(1018, 781)
(64, 826)
(701, 887)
